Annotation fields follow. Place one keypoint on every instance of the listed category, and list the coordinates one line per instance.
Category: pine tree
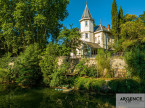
(114, 14)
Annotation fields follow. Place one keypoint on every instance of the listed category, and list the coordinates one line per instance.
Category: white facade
(93, 37)
(99, 34)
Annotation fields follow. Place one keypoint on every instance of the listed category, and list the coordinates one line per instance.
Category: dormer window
(86, 23)
(86, 35)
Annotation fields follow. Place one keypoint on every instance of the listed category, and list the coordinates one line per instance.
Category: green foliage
(5, 60)
(89, 84)
(129, 17)
(142, 16)
(92, 71)
(6, 75)
(135, 59)
(97, 85)
(69, 39)
(103, 62)
(121, 18)
(132, 33)
(31, 21)
(114, 16)
(27, 68)
(58, 77)
(48, 62)
(124, 86)
(82, 68)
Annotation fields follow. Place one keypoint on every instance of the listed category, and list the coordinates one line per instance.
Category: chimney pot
(108, 26)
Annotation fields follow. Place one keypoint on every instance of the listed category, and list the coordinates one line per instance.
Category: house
(93, 37)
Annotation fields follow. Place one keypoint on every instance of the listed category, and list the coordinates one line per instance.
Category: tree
(142, 16)
(120, 16)
(70, 40)
(114, 14)
(26, 67)
(129, 17)
(59, 75)
(135, 59)
(49, 62)
(132, 33)
(26, 22)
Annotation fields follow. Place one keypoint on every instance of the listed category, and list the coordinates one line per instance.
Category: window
(86, 23)
(86, 35)
(108, 39)
(98, 39)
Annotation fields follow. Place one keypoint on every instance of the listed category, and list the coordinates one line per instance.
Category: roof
(93, 45)
(86, 14)
(100, 28)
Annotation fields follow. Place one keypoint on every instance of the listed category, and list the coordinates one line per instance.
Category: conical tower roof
(86, 14)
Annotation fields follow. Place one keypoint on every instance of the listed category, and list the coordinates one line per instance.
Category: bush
(103, 62)
(124, 86)
(48, 62)
(89, 84)
(58, 77)
(97, 85)
(92, 71)
(135, 59)
(82, 68)
(4, 75)
(4, 61)
(27, 68)
(70, 80)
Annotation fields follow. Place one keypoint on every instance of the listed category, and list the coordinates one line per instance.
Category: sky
(100, 9)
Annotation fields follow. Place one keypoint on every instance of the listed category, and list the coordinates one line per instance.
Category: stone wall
(118, 65)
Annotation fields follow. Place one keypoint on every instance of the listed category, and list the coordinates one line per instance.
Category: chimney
(108, 27)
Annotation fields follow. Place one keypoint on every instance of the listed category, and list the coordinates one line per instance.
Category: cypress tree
(114, 14)
(120, 16)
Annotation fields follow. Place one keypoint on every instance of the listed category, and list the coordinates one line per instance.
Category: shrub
(82, 68)
(27, 68)
(6, 75)
(96, 85)
(80, 82)
(70, 80)
(48, 62)
(89, 84)
(4, 61)
(103, 62)
(124, 86)
(135, 59)
(58, 77)
(92, 71)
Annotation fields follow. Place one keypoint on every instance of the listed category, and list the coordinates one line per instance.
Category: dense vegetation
(25, 22)
(27, 59)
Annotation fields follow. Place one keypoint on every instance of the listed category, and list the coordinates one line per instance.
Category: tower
(87, 26)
